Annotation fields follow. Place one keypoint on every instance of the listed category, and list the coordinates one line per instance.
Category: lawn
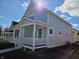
(4, 44)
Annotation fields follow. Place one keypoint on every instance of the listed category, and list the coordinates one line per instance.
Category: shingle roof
(14, 23)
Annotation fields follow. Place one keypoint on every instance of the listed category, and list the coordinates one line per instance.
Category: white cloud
(3, 25)
(18, 20)
(71, 7)
(65, 17)
(56, 9)
(39, 1)
(1, 16)
(24, 5)
(62, 15)
(75, 25)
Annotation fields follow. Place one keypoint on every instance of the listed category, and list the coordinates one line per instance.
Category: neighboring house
(7, 33)
(14, 23)
(40, 28)
(75, 35)
(78, 36)
(0, 31)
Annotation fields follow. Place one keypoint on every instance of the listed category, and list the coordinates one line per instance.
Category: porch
(31, 36)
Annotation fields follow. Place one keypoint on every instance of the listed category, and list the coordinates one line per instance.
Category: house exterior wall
(57, 39)
(41, 16)
(61, 30)
(33, 12)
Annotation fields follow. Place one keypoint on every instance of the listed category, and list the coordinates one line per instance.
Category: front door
(16, 33)
(39, 33)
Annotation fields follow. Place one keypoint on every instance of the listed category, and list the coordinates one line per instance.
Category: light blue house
(40, 28)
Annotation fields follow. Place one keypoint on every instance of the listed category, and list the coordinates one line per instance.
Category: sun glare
(39, 5)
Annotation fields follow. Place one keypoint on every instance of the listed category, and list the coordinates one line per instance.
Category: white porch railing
(11, 40)
(29, 41)
(40, 41)
(26, 41)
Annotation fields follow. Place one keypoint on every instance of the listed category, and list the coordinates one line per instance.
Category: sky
(13, 10)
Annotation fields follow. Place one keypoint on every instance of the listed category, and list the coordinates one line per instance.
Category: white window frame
(59, 34)
(52, 32)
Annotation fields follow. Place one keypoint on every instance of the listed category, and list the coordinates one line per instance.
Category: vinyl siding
(56, 39)
(36, 14)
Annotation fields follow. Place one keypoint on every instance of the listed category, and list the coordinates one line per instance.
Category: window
(66, 34)
(77, 33)
(16, 33)
(28, 31)
(51, 31)
(59, 33)
(39, 33)
(73, 32)
(31, 17)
